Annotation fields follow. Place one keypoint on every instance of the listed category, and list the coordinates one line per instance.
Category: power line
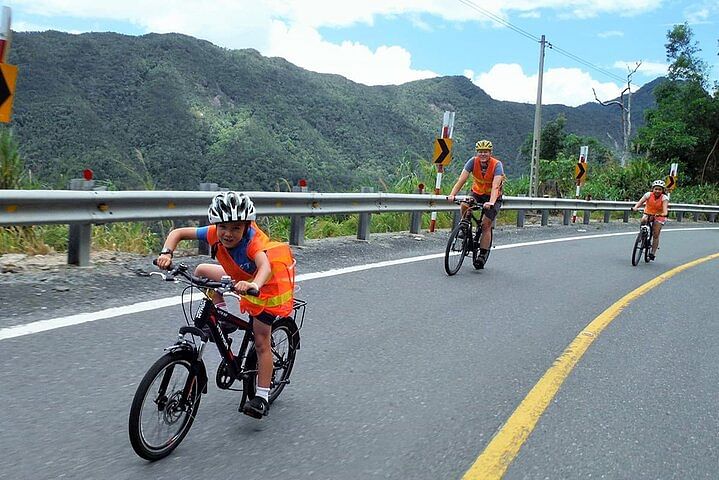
(534, 38)
(499, 19)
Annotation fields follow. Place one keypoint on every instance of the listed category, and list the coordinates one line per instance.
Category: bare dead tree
(704, 169)
(625, 104)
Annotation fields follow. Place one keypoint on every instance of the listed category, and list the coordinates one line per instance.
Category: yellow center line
(504, 446)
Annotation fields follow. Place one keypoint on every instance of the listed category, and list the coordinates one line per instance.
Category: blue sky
(379, 42)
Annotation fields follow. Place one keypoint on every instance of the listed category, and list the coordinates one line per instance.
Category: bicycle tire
(283, 359)
(172, 412)
(637, 250)
(449, 267)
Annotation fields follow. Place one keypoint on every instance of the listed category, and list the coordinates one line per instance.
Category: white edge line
(45, 325)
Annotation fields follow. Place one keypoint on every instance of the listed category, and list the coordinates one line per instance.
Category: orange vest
(277, 295)
(654, 205)
(483, 183)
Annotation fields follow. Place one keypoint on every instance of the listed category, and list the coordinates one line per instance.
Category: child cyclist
(245, 253)
(656, 204)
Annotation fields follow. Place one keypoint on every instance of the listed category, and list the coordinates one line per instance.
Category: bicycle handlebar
(222, 287)
(470, 201)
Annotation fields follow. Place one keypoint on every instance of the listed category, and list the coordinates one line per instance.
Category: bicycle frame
(470, 217)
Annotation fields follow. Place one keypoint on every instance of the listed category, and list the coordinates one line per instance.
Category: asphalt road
(404, 372)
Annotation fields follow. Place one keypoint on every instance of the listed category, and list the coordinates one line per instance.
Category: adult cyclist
(656, 204)
(488, 176)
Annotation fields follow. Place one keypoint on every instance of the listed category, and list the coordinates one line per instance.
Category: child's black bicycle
(168, 397)
(461, 241)
(643, 243)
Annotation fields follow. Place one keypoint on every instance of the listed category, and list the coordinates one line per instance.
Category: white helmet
(659, 183)
(231, 207)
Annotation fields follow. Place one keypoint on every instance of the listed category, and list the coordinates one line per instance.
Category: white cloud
(179, 15)
(304, 46)
(610, 33)
(568, 86)
(702, 13)
(649, 69)
(289, 28)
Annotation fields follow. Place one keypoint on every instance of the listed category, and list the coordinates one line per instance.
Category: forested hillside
(174, 111)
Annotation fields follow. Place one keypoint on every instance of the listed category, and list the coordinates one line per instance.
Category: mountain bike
(462, 241)
(168, 397)
(643, 242)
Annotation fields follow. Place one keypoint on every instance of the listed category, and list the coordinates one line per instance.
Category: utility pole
(534, 166)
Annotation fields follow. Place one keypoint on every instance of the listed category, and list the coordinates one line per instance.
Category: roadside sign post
(442, 157)
(671, 180)
(580, 174)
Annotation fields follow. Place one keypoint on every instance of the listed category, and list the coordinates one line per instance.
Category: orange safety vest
(483, 183)
(277, 295)
(654, 205)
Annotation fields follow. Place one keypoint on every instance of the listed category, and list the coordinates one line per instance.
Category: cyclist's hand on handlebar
(164, 262)
(245, 288)
(451, 198)
(488, 205)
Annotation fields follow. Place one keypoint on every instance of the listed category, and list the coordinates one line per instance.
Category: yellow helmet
(483, 145)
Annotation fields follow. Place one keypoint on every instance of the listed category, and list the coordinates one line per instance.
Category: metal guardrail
(85, 208)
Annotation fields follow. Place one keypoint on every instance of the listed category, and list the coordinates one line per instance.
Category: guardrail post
(364, 220)
(79, 244)
(415, 218)
(587, 214)
(520, 218)
(567, 217)
(680, 215)
(545, 217)
(712, 217)
(79, 241)
(607, 213)
(625, 219)
(297, 225)
(696, 216)
(203, 248)
(456, 218)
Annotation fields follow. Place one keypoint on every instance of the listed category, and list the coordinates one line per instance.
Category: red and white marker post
(446, 132)
(580, 174)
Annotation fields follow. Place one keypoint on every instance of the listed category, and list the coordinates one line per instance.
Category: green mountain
(178, 111)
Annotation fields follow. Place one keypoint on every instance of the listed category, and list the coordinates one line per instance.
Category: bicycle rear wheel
(284, 351)
(164, 407)
(457, 248)
(637, 250)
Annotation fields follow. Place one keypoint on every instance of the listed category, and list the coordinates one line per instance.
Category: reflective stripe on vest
(275, 301)
(483, 183)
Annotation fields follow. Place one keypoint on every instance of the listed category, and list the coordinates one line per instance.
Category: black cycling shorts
(264, 317)
(492, 212)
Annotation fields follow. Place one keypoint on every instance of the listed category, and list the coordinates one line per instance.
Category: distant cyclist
(656, 204)
(488, 175)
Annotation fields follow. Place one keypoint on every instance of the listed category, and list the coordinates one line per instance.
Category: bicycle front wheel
(457, 248)
(164, 407)
(637, 250)
(284, 351)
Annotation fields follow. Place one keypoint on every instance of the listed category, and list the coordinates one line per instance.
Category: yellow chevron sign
(442, 151)
(7, 90)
